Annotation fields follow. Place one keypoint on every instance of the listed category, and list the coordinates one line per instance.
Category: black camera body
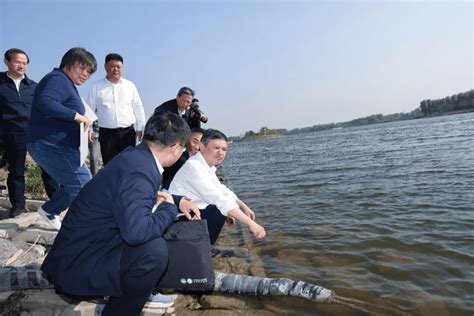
(194, 108)
(195, 115)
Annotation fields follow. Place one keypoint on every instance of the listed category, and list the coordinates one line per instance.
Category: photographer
(185, 106)
(195, 115)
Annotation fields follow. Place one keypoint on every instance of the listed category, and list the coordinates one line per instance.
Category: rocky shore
(24, 241)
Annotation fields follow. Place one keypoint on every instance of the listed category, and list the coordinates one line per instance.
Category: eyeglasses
(84, 68)
(178, 145)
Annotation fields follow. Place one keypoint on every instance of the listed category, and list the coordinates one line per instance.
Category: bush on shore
(34, 187)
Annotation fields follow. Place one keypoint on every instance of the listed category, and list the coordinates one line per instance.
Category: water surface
(381, 213)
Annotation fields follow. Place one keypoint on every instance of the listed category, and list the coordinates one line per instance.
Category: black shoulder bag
(190, 260)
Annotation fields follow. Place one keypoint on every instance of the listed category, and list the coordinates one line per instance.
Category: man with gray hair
(181, 106)
(198, 181)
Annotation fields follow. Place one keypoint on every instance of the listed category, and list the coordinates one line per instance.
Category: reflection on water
(381, 213)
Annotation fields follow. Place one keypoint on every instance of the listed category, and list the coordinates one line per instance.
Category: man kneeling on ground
(198, 181)
(110, 242)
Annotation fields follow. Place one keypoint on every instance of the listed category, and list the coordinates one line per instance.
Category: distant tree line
(463, 101)
(371, 119)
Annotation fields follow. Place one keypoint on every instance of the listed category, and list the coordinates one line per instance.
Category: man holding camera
(186, 106)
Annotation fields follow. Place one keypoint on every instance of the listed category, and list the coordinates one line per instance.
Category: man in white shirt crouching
(197, 180)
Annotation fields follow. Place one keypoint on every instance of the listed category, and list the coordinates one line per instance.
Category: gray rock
(31, 254)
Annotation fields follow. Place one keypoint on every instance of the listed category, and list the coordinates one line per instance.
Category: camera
(195, 115)
(194, 108)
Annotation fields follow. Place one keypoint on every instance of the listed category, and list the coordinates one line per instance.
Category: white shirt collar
(158, 164)
(110, 82)
(16, 81)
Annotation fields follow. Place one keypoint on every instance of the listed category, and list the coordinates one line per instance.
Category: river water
(383, 213)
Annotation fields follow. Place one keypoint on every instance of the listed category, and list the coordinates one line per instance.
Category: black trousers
(14, 143)
(215, 221)
(141, 267)
(114, 140)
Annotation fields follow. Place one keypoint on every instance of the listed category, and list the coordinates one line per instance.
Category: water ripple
(381, 213)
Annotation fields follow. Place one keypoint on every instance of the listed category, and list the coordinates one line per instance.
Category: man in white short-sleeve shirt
(197, 180)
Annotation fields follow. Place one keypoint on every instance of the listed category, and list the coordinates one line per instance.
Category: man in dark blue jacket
(110, 242)
(16, 97)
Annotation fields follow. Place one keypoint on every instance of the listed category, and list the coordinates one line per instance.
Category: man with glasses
(119, 109)
(111, 242)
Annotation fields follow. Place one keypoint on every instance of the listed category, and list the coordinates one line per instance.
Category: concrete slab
(157, 311)
(8, 230)
(5, 295)
(48, 298)
(30, 204)
(24, 220)
(44, 236)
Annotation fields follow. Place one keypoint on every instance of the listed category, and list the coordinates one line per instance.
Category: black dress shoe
(15, 212)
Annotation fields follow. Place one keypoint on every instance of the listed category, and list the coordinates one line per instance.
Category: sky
(278, 64)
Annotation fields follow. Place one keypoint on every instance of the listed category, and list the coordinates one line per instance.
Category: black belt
(118, 128)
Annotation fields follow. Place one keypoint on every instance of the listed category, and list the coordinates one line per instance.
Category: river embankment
(25, 240)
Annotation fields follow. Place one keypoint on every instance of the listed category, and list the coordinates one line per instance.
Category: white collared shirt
(158, 164)
(117, 104)
(196, 180)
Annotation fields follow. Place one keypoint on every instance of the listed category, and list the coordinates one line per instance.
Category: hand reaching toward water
(247, 210)
(257, 230)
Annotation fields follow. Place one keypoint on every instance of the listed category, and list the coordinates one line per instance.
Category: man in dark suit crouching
(110, 242)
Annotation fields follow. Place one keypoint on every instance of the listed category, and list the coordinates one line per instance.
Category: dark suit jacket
(170, 106)
(112, 210)
(15, 107)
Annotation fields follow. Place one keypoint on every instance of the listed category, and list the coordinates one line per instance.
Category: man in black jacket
(180, 105)
(16, 97)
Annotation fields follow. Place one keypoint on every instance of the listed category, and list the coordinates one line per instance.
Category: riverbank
(29, 236)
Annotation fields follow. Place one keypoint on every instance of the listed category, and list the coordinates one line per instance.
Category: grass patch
(34, 187)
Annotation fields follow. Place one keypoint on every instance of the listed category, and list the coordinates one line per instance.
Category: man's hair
(78, 55)
(186, 90)
(9, 54)
(113, 56)
(166, 129)
(197, 130)
(211, 134)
